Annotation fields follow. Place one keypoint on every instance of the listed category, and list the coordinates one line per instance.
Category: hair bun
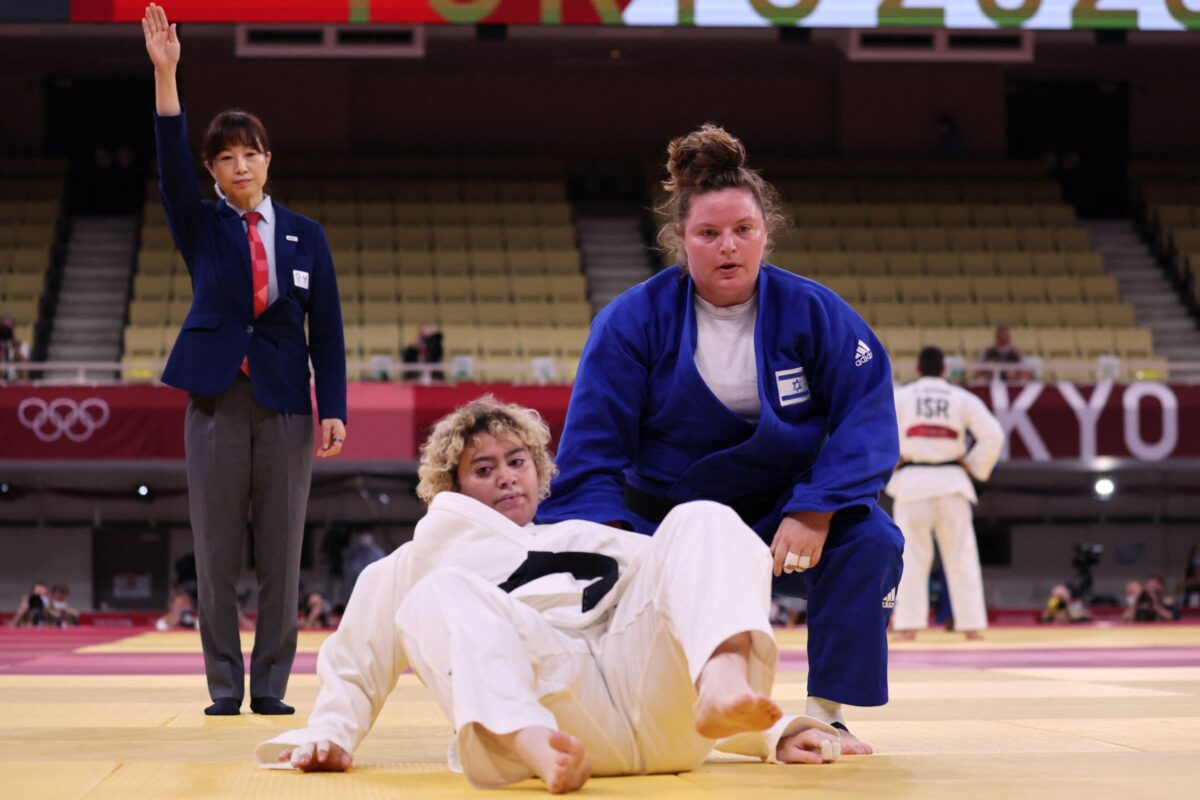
(693, 159)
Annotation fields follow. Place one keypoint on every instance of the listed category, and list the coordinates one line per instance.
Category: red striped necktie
(259, 267)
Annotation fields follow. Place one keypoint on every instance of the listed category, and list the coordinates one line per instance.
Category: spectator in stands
(181, 612)
(1003, 352)
(1133, 591)
(934, 490)
(725, 378)
(1190, 592)
(31, 613)
(12, 349)
(949, 139)
(425, 349)
(1154, 605)
(259, 272)
(362, 552)
(58, 610)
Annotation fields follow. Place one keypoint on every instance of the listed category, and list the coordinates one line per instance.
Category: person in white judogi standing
(933, 494)
(559, 650)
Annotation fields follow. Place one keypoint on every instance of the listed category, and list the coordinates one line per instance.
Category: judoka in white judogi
(616, 667)
(933, 493)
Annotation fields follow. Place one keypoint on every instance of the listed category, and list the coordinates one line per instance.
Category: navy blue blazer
(221, 329)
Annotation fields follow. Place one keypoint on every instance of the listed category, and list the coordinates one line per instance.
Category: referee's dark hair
(931, 362)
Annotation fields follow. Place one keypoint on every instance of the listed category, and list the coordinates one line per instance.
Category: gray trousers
(247, 463)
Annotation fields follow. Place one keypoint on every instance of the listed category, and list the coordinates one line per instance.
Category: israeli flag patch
(792, 385)
(300, 278)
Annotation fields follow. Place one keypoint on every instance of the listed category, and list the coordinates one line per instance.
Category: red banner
(1143, 421)
(508, 12)
(387, 420)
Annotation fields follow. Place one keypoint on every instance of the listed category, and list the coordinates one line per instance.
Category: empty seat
(880, 290)
(951, 289)
(495, 313)
(375, 311)
(1042, 315)
(1013, 263)
(1099, 288)
(905, 264)
(1045, 263)
(378, 287)
(900, 342)
(919, 289)
(927, 314)
(1057, 343)
(888, 314)
(491, 287)
(1115, 314)
(978, 263)
(848, 287)
(965, 313)
(1071, 239)
(149, 312)
(943, 264)
(990, 289)
(1085, 263)
(1094, 341)
(570, 313)
(1027, 289)
(1076, 313)
(1133, 342)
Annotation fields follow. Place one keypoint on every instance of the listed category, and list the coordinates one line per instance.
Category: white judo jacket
(934, 418)
(360, 664)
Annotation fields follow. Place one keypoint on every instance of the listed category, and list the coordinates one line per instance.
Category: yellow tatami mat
(1089, 732)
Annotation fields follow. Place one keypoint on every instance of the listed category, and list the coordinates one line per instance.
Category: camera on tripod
(1086, 556)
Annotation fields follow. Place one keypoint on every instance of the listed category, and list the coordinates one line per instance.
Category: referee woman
(258, 272)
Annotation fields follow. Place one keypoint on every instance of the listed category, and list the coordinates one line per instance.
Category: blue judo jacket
(220, 328)
(641, 413)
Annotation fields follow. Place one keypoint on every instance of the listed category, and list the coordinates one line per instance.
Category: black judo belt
(540, 563)
(751, 508)
(904, 464)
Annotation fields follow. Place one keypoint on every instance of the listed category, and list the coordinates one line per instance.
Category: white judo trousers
(626, 690)
(948, 520)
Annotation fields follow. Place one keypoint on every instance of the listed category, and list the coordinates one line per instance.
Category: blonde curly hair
(485, 415)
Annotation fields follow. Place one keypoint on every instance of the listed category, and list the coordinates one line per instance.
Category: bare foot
(728, 705)
(555, 757)
(852, 746)
(809, 746)
(724, 714)
(973, 636)
(904, 636)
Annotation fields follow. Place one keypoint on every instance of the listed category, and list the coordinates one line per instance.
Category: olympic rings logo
(50, 421)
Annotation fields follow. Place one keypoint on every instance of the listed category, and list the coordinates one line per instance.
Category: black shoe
(270, 706)
(224, 707)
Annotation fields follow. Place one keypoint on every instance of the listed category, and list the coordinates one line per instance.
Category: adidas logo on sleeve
(862, 354)
(889, 600)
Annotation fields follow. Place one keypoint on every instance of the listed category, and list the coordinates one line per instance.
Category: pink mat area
(25, 644)
(29, 651)
(1024, 658)
(55, 652)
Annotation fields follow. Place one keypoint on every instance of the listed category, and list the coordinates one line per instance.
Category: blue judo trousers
(644, 433)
